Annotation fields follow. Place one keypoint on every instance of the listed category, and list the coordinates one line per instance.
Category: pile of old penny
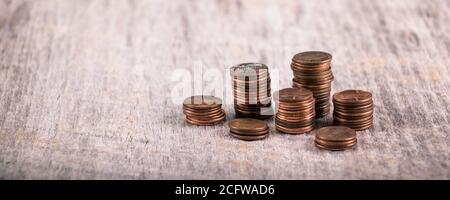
(335, 138)
(354, 109)
(295, 108)
(312, 71)
(251, 90)
(248, 129)
(203, 110)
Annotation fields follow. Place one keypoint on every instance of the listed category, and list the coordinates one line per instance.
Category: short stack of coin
(354, 109)
(295, 110)
(248, 129)
(312, 71)
(335, 138)
(251, 90)
(203, 110)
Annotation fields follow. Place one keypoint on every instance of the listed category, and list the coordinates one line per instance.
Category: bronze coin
(260, 116)
(336, 144)
(299, 68)
(352, 97)
(293, 95)
(202, 102)
(312, 57)
(336, 134)
(259, 133)
(294, 131)
(340, 148)
(199, 111)
(286, 124)
(207, 118)
(347, 109)
(205, 123)
(352, 115)
(249, 138)
(357, 127)
(353, 121)
(248, 125)
(294, 119)
(203, 114)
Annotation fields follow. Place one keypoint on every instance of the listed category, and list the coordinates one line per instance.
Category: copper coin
(336, 144)
(336, 134)
(203, 114)
(205, 123)
(259, 133)
(352, 115)
(202, 102)
(248, 125)
(293, 95)
(294, 131)
(333, 148)
(249, 138)
(352, 97)
(347, 109)
(312, 57)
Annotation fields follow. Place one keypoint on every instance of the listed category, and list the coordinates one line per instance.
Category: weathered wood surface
(84, 87)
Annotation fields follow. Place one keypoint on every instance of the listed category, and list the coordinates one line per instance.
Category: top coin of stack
(335, 138)
(251, 90)
(248, 129)
(312, 70)
(203, 110)
(295, 110)
(354, 109)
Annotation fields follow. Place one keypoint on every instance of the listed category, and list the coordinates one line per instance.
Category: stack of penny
(335, 138)
(354, 109)
(251, 90)
(248, 129)
(295, 110)
(312, 71)
(203, 110)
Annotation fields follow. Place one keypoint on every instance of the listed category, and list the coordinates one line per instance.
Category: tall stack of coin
(251, 90)
(335, 138)
(203, 110)
(248, 129)
(295, 110)
(354, 109)
(312, 70)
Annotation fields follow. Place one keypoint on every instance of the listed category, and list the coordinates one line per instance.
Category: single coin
(248, 125)
(334, 148)
(249, 138)
(202, 102)
(259, 133)
(352, 97)
(312, 57)
(336, 134)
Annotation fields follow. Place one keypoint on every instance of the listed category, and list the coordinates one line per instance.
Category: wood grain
(85, 87)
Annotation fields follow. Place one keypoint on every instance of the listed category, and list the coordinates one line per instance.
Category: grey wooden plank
(85, 87)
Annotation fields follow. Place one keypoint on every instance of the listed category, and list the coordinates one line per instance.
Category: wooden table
(87, 88)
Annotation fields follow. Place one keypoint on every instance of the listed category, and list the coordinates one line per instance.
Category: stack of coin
(248, 129)
(354, 109)
(335, 138)
(203, 110)
(312, 71)
(295, 110)
(251, 90)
